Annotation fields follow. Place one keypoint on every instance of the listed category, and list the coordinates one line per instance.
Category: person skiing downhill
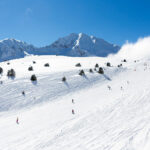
(72, 101)
(109, 87)
(23, 93)
(73, 111)
(17, 120)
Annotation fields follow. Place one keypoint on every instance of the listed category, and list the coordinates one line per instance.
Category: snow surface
(116, 119)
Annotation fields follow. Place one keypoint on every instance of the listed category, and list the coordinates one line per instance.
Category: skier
(121, 88)
(17, 120)
(72, 101)
(23, 93)
(73, 111)
(109, 87)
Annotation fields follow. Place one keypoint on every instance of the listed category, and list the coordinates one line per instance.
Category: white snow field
(115, 119)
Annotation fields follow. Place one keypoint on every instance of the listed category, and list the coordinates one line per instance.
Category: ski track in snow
(116, 119)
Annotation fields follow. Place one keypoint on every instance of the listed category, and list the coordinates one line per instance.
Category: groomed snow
(116, 119)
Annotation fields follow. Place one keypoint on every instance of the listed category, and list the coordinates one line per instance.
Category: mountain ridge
(75, 45)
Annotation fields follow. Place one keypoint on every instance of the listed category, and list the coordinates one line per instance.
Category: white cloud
(137, 50)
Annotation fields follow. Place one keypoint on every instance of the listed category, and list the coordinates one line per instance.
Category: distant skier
(17, 120)
(121, 88)
(127, 82)
(23, 93)
(109, 87)
(73, 111)
(72, 101)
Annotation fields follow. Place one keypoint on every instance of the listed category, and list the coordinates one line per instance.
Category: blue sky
(40, 22)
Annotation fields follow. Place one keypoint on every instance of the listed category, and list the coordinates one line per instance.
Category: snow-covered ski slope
(115, 119)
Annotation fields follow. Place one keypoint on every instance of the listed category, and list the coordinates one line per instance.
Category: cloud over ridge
(138, 50)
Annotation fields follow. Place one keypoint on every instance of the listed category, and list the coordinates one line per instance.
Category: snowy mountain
(72, 45)
(11, 49)
(80, 45)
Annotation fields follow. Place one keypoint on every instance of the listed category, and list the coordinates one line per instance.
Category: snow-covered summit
(80, 45)
(12, 48)
(71, 45)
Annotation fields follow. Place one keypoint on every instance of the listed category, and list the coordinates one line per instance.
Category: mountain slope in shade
(80, 45)
(11, 49)
(72, 45)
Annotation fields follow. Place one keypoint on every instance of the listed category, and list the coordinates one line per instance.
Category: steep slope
(115, 119)
(11, 49)
(80, 45)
